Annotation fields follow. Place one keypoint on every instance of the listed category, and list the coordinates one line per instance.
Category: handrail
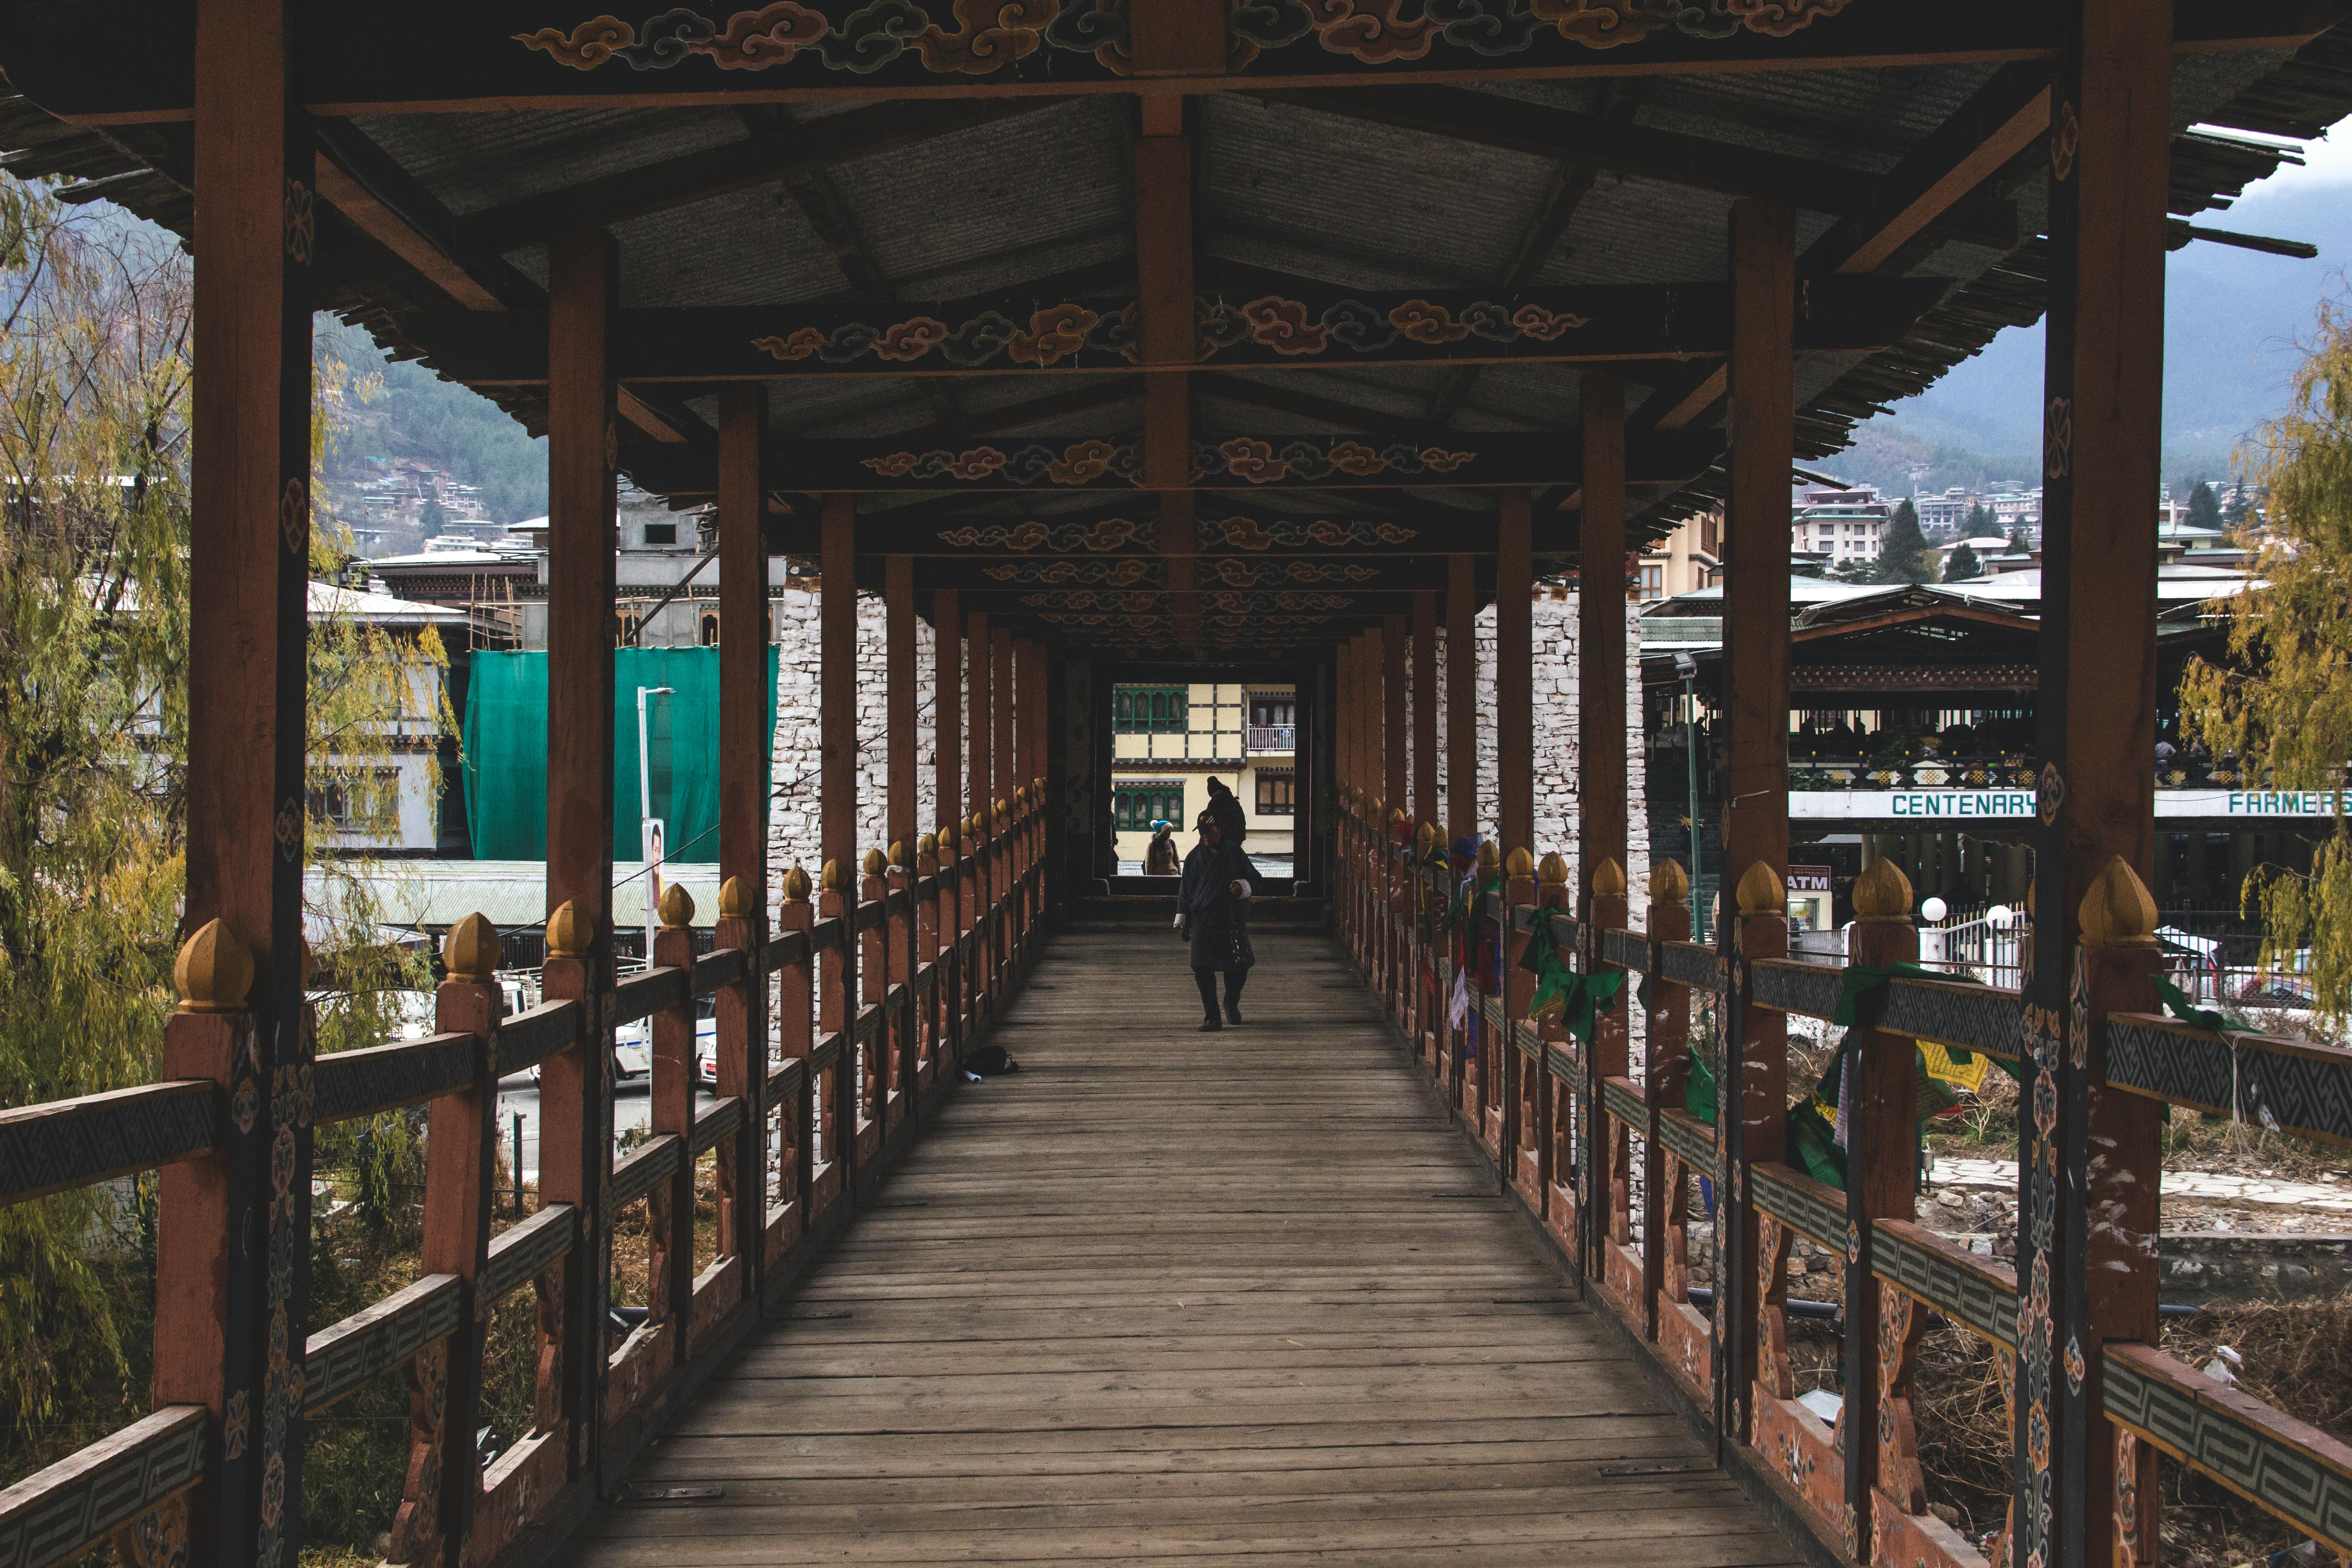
(54, 1514)
(349, 1084)
(1970, 1290)
(341, 1358)
(66, 1143)
(715, 1123)
(719, 968)
(531, 1037)
(634, 1177)
(519, 1254)
(2294, 1086)
(648, 992)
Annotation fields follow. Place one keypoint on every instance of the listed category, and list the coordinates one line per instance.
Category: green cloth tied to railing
(1578, 1001)
(2213, 1021)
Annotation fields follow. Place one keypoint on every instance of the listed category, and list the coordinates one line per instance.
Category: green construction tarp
(506, 751)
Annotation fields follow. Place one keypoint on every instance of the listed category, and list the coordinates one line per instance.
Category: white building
(1839, 525)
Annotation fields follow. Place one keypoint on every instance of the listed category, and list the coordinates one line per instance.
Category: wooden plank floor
(1233, 1298)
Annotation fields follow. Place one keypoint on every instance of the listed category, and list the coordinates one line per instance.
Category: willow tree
(94, 452)
(2283, 706)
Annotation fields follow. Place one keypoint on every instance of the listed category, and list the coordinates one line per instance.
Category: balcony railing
(1273, 738)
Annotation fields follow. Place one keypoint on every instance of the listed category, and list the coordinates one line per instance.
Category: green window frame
(1135, 806)
(1147, 710)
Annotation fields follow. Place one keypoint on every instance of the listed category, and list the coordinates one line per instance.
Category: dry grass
(2298, 1358)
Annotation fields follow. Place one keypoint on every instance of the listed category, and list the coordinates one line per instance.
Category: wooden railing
(1567, 1124)
(933, 945)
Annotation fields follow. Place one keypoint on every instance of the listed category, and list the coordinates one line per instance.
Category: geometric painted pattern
(1972, 1018)
(1796, 1200)
(1562, 1063)
(649, 991)
(2296, 1472)
(1686, 965)
(635, 1176)
(1972, 1291)
(52, 1515)
(1793, 988)
(532, 1037)
(1623, 1102)
(2284, 1084)
(521, 1254)
(376, 1338)
(1688, 1139)
(716, 1122)
(347, 1084)
(74, 1142)
(1626, 949)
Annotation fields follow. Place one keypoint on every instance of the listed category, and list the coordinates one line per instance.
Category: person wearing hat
(1226, 807)
(1210, 914)
(1159, 859)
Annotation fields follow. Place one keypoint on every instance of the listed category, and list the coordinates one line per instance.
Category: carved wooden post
(210, 1296)
(1665, 1082)
(979, 981)
(898, 878)
(575, 1168)
(873, 948)
(974, 893)
(1882, 1171)
(927, 950)
(837, 994)
(2116, 964)
(669, 1286)
(1752, 1107)
(1485, 1114)
(1518, 991)
(436, 1511)
(740, 1042)
(809, 1118)
(1548, 1126)
(1605, 1058)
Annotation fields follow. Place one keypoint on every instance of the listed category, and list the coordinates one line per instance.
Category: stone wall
(794, 825)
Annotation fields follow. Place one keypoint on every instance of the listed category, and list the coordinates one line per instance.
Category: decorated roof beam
(2001, 121)
(1699, 162)
(1000, 527)
(1016, 577)
(1578, 323)
(1443, 459)
(473, 55)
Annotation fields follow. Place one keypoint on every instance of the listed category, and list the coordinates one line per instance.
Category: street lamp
(1687, 668)
(649, 826)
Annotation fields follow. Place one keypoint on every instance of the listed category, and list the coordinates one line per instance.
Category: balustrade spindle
(1665, 1081)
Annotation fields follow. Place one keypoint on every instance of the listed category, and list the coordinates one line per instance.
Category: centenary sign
(2018, 804)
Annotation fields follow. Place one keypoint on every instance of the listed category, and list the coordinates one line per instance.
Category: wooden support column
(946, 729)
(1461, 701)
(745, 747)
(1515, 795)
(225, 1318)
(576, 1138)
(1395, 783)
(979, 981)
(1600, 770)
(1029, 667)
(2093, 841)
(837, 804)
(1005, 781)
(1425, 710)
(899, 824)
(1756, 796)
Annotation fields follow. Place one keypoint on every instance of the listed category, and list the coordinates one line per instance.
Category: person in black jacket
(1210, 905)
(1227, 809)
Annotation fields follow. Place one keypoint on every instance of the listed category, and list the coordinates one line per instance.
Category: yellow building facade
(1168, 740)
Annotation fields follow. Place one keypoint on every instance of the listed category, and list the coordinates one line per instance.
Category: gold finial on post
(929, 844)
(213, 971)
(1669, 883)
(875, 862)
(898, 852)
(1490, 858)
(1881, 892)
(567, 934)
(1761, 892)
(676, 907)
(2117, 911)
(1424, 838)
(1552, 870)
(470, 951)
(796, 886)
(1608, 880)
(1519, 865)
(734, 902)
(833, 878)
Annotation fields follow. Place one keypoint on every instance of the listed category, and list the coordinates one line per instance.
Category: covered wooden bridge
(1256, 340)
